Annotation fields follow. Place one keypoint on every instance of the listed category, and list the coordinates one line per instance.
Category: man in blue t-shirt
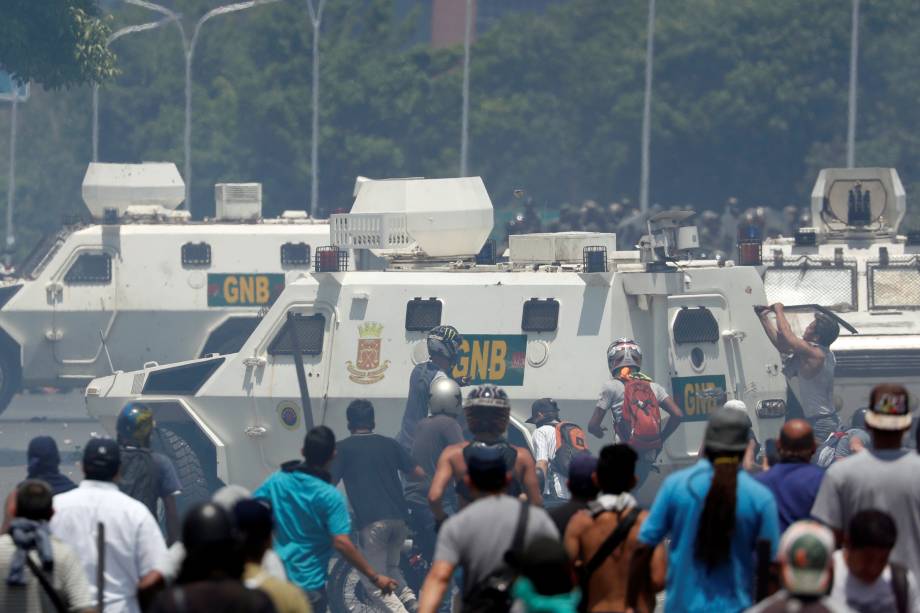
(715, 515)
(794, 482)
(311, 519)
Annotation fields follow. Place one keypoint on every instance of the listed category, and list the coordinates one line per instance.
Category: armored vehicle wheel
(188, 466)
(346, 592)
(10, 378)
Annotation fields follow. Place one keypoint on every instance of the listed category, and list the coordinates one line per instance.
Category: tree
(59, 43)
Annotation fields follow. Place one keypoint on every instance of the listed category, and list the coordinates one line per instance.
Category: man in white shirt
(135, 552)
(544, 414)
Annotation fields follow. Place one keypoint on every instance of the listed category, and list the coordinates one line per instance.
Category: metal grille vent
(295, 254)
(695, 326)
(883, 364)
(894, 286)
(310, 330)
(540, 315)
(330, 259)
(811, 281)
(90, 269)
(196, 254)
(423, 314)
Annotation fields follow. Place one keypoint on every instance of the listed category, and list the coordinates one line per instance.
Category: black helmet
(208, 524)
(488, 396)
(444, 341)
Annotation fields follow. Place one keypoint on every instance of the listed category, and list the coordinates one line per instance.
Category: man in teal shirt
(311, 519)
(715, 515)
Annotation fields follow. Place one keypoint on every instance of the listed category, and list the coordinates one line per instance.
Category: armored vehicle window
(423, 315)
(90, 269)
(184, 379)
(812, 282)
(196, 254)
(310, 330)
(540, 315)
(295, 255)
(695, 326)
(894, 286)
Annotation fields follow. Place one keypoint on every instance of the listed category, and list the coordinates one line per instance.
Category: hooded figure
(44, 463)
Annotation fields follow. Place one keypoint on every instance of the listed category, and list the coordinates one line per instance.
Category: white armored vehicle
(853, 262)
(143, 282)
(537, 325)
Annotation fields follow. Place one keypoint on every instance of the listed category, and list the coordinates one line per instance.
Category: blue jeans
(318, 601)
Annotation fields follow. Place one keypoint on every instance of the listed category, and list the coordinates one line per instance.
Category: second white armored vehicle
(538, 325)
(143, 283)
(853, 262)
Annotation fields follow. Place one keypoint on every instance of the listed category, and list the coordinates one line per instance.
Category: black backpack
(493, 594)
(570, 442)
(138, 476)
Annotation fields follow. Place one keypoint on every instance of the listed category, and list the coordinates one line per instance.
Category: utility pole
(316, 18)
(647, 108)
(465, 112)
(854, 77)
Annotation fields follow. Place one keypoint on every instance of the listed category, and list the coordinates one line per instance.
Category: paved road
(62, 416)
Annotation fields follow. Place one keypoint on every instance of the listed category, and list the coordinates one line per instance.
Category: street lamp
(854, 75)
(111, 39)
(188, 47)
(465, 112)
(647, 108)
(316, 17)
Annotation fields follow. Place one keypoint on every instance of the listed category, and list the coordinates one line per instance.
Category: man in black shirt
(370, 465)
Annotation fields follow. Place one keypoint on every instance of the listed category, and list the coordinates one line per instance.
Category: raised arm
(812, 356)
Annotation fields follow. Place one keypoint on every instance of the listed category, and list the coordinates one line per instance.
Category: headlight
(774, 407)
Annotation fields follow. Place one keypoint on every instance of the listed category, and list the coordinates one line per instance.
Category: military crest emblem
(366, 368)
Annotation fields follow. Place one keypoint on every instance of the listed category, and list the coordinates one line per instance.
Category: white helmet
(624, 352)
(444, 397)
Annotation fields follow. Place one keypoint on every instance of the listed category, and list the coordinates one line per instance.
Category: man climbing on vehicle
(145, 475)
(555, 444)
(635, 401)
(443, 349)
(808, 364)
(488, 412)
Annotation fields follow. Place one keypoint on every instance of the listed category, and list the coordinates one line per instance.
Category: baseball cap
(101, 453)
(889, 408)
(805, 554)
(727, 430)
(543, 405)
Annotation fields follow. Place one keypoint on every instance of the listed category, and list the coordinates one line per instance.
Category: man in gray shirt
(884, 477)
(477, 538)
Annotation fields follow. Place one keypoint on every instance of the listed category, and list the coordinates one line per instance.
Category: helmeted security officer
(443, 350)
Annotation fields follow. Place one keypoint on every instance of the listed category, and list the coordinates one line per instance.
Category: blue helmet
(135, 424)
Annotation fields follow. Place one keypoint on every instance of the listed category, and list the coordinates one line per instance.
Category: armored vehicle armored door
(703, 370)
(82, 294)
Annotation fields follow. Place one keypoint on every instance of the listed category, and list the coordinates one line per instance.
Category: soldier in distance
(635, 402)
(488, 412)
(147, 476)
(443, 349)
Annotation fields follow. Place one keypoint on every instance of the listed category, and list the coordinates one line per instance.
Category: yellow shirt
(286, 597)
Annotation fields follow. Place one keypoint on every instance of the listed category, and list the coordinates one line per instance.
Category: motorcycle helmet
(445, 342)
(624, 352)
(135, 424)
(444, 397)
(488, 396)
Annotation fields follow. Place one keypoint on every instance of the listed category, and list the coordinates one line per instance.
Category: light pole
(111, 39)
(647, 108)
(316, 17)
(188, 47)
(854, 75)
(465, 112)
(17, 94)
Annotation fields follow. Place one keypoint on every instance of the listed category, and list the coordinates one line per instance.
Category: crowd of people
(752, 525)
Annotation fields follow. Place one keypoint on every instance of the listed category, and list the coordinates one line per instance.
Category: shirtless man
(808, 364)
(605, 589)
(488, 412)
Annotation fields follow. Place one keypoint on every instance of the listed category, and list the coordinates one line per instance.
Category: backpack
(139, 476)
(640, 423)
(493, 594)
(570, 442)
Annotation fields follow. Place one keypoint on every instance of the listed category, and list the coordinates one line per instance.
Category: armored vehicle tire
(346, 592)
(188, 467)
(10, 378)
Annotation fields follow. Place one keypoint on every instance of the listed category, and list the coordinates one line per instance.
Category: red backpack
(640, 424)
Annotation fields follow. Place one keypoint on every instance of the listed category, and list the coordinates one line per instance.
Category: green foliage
(55, 43)
(750, 101)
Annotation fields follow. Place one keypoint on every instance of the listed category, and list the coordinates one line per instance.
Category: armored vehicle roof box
(858, 200)
(119, 186)
(438, 218)
(562, 247)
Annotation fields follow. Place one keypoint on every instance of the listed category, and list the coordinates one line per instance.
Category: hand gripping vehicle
(538, 325)
(853, 262)
(143, 282)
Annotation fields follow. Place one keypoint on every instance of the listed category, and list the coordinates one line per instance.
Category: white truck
(538, 325)
(144, 283)
(853, 262)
